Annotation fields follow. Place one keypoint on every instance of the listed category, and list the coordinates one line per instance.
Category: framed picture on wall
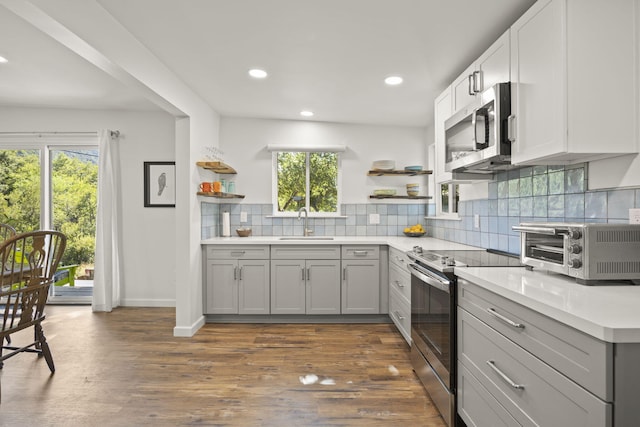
(159, 184)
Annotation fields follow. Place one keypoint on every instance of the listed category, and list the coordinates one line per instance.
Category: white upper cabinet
(490, 68)
(442, 111)
(574, 81)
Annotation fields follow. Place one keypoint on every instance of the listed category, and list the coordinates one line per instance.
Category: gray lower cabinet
(305, 280)
(400, 292)
(360, 280)
(234, 283)
(518, 367)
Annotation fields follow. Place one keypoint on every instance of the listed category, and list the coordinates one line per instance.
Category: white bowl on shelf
(384, 165)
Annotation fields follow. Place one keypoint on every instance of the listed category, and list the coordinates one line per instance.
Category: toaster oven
(589, 252)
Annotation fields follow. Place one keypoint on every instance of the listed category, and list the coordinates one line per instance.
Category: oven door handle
(429, 278)
(550, 231)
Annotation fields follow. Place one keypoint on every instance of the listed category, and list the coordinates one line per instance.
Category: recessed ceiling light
(257, 73)
(306, 113)
(393, 80)
(3, 60)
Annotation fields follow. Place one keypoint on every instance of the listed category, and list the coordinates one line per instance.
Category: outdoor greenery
(293, 193)
(74, 181)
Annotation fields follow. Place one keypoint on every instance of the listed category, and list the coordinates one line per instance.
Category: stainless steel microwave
(589, 252)
(477, 137)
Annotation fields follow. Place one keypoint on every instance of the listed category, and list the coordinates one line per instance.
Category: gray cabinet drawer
(360, 252)
(584, 359)
(400, 280)
(476, 406)
(400, 314)
(237, 252)
(530, 390)
(305, 252)
(398, 258)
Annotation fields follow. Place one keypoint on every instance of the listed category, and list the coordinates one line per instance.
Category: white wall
(244, 142)
(149, 233)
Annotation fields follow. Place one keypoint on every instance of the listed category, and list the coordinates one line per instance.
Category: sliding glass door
(54, 186)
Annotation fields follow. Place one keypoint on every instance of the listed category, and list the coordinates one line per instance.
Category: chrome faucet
(306, 230)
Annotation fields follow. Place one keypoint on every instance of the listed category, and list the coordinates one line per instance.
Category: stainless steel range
(433, 318)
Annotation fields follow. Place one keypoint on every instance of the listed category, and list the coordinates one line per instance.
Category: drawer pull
(398, 284)
(237, 253)
(509, 322)
(399, 259)
(360, 253)
(502, 375)
(398, 315)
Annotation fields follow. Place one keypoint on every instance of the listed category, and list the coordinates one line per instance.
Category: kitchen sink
(306, 238)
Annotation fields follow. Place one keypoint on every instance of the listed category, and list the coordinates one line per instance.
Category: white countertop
(609, 313)
(398, 242)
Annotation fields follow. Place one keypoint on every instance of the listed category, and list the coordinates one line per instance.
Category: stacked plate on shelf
(384, 192)
(384, 165)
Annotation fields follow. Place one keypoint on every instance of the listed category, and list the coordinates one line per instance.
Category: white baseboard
(133, 302)
(188, 331)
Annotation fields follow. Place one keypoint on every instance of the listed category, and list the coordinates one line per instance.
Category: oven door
(432, 328)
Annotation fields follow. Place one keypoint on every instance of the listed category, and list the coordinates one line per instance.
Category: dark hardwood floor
(125, 368)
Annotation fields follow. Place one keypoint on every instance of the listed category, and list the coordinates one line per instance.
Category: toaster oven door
(544, 247)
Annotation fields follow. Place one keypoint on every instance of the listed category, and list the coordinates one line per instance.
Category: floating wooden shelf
(398, 173)
(217, 167)
(398, 197)
(221, 195)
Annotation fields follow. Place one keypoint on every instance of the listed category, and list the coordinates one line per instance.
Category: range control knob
(575, 263)
(575, 249)
(575, 234)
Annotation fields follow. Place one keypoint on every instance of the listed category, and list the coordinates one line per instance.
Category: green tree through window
(74, 180)
(307, 180)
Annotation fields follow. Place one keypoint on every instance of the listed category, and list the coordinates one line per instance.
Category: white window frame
(452, 191)
(274, 179)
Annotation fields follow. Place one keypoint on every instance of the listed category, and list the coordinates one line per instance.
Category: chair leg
(46, 352)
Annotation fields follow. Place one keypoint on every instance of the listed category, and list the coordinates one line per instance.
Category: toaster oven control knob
(575, 263)
(575, 234)
(575, 249)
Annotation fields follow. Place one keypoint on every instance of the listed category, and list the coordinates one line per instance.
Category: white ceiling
(329, 56)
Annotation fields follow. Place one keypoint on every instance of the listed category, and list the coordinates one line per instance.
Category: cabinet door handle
(235, 273)
(471, 85)
(344, 273)
(506, 320)
(240, 273)
(477, 81)
(511, 128)
(309, 273)
(303, 278)
(360, 253)
(398, 284)
(398, 315)
(504, 376)
(400, 259)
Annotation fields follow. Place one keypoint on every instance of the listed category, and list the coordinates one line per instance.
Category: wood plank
(126, 368)
(217, 167)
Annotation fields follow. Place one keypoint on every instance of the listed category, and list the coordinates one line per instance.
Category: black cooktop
(443, 260)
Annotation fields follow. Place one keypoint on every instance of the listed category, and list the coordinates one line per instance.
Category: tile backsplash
(538, 193)
(355, 222)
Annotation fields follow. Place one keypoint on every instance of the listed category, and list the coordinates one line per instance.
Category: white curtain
(108, 263)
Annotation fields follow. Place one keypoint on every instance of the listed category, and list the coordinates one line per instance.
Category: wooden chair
(6, 232)
(24, 288)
